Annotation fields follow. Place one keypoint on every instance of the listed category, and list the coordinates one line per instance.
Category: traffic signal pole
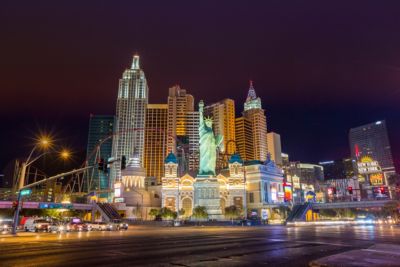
(16, 214)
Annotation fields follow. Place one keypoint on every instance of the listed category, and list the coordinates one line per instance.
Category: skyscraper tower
(223, 113)
(274, 147)
(130, 117)
(372, 140)
(251, 129)
(182, 128)
(100, 128)
(179, 104)
(192, 132)
(155, 140)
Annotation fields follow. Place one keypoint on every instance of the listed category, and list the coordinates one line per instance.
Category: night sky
(319, 68)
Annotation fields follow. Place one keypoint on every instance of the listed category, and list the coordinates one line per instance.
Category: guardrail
(351, 204)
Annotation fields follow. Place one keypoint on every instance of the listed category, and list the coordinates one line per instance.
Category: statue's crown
(208, 119)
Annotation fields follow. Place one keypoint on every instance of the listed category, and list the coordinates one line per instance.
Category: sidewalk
(377, 255)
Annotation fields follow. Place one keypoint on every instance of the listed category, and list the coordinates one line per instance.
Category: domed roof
(171, 158)
(235, 158)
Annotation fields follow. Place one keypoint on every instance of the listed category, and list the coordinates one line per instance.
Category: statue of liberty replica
(209, 143)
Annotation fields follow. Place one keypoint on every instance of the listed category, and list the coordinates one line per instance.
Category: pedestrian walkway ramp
(108, 212)
(299, 212)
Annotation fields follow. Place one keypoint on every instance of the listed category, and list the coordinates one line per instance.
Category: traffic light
(334, 190)
(100, 164)
(350, 189)
(15, 204)
(123, 163)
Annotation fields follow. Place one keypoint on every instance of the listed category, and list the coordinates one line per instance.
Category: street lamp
(44, 142)
(65, 154)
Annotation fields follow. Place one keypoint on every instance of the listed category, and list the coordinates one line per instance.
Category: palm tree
(232, 212)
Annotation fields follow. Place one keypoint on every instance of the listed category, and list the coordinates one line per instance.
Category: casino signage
(370, 169)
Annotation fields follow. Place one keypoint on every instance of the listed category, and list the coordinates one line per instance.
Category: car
(116, 226)
(58, 227)
(77, 225)
(97, 226)
(6, 225)
(36, 225)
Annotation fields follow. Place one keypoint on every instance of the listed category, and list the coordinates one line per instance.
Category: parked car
(36, 225)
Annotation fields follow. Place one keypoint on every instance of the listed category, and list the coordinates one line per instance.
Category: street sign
(25, 192)
(46, 205)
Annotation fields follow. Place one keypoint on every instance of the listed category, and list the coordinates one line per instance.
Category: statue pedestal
(207, 195)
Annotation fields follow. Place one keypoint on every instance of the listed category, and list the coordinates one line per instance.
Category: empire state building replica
(129, 135)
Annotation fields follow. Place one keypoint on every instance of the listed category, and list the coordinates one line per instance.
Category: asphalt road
(192, 246)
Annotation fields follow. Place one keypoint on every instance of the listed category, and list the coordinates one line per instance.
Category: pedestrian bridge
(351, 204)
(48, 205)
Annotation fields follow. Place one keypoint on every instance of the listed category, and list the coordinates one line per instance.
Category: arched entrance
(187, 206)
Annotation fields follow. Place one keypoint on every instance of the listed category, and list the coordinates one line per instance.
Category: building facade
(101, 128)
(252, 188)
(132, 102)
(155, 140)
(265, 188)
(214, 193)
(372, 140)
(338, 169)
(304, 178)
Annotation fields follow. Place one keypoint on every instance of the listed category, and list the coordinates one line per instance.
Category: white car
(36, 225)
(58, 228)
(97, 226)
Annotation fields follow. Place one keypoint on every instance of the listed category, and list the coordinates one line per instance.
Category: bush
(168, 214)
(154, 212)
(200, 212)
(328, 213)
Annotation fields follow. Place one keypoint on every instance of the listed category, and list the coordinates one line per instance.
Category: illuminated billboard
(287, 189)
(376, 179)
(367, 165)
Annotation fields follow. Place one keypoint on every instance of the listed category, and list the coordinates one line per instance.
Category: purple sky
(319, 68)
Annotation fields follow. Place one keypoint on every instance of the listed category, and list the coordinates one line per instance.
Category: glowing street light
(45, 142)
(65, 154)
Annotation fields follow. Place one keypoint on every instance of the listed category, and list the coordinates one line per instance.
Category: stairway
(298, 212)
(108, 212)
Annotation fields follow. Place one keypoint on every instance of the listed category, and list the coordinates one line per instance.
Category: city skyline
(229, 133)
(305, 87)
(240, 105)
